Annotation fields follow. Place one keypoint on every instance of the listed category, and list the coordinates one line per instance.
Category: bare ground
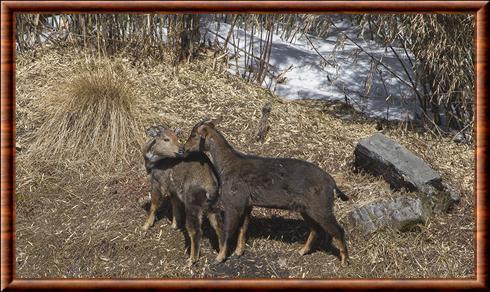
(74, 220)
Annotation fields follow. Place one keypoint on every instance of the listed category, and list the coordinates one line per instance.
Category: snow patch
(342, 77)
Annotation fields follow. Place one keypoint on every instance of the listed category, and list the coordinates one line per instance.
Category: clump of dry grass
(94, 114)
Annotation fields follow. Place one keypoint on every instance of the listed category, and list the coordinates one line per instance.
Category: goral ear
(161, 129)
(215, 121)
(203, 131)
(178, 132)
(152, 131)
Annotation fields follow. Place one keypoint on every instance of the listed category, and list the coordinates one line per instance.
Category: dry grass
(446, 38)
(93, 114)
(73, 223)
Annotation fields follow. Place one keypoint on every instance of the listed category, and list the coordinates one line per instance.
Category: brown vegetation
(92, 114)
(263, 127)
(443, 61)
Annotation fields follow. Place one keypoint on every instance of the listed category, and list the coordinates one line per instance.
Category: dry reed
(94, 114)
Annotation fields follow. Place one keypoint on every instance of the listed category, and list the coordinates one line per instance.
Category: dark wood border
(8, 134)
(246, 6)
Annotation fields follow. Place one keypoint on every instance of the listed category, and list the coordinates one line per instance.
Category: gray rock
(454, 196)
(464, 137)
(381, 156)
(445, 198)
(401, 168)
(400, 213)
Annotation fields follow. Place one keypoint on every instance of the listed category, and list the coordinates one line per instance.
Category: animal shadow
(289, 231)
(165, 211)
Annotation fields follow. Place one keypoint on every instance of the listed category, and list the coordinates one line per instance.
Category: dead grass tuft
(93, 114)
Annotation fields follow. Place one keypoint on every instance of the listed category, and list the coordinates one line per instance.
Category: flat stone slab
(381, 155)
(401, 168)
(400, 213)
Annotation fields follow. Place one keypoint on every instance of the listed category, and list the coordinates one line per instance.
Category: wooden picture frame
(8, 8)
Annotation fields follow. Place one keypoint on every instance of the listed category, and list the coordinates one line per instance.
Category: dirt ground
(73, 221)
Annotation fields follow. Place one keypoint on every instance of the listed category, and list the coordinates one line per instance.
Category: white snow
(345, 74)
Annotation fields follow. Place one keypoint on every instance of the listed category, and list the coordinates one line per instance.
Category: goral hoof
(220, 258)
(239, 253)
(191, 262)
(303, 251)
